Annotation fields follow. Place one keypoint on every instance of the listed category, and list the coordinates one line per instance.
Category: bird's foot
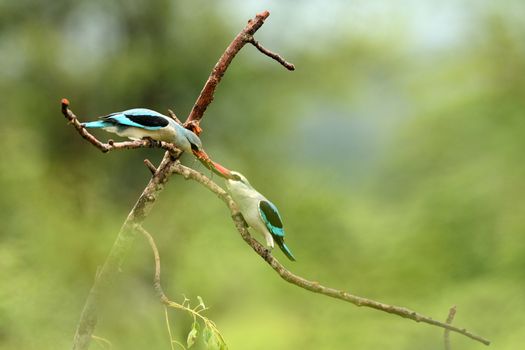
(268, 249)
(267, 252)
(152, 143)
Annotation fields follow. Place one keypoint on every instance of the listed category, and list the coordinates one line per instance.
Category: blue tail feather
(96, 124)
(284, 248)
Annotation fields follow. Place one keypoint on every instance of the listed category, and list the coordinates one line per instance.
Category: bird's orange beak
(201, 155)
(222, 170)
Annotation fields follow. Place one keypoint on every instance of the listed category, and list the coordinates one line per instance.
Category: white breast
(248, 202)
(165, 134)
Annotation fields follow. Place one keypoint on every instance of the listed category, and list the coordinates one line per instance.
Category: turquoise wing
(139, 118)
(271, 218)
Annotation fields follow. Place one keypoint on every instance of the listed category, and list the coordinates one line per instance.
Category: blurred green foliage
(394, 152)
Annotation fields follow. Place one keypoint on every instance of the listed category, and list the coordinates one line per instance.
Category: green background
(394, 153)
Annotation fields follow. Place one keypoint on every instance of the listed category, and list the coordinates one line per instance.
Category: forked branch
(271, 54)
(206, 95)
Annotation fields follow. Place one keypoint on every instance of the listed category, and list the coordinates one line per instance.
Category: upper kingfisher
(140, 123)
(260, 214)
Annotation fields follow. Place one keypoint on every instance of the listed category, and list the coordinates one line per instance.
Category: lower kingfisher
(259, 213)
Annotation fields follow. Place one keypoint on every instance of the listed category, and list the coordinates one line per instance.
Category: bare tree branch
(446, 333)
(299, 281)
(170, 165)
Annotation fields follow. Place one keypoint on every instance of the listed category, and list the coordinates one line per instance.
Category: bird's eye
(194, 147)
(236, 177)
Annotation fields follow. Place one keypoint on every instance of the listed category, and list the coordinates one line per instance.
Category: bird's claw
(152, 143)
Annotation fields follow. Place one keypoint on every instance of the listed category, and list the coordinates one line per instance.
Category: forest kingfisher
(140, 123)
(260, 214)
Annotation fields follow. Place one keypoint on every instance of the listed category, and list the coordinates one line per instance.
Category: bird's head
(237, 176)
(194, 140)
(237, 181)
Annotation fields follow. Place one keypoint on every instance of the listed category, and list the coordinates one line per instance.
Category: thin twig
(299, 281)
(169, 328)
(150, 166)
(446, 334)
(271, 54)
(103, 341)
(173, 116)
(81, 130)
(156, 279)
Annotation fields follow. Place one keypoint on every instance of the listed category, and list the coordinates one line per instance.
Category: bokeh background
(394, 152)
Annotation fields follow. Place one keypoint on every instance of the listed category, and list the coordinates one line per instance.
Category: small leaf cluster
(211, 336)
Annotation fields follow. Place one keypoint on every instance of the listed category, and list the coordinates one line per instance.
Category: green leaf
(213, 340)
(192, 335)
(206, 336)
